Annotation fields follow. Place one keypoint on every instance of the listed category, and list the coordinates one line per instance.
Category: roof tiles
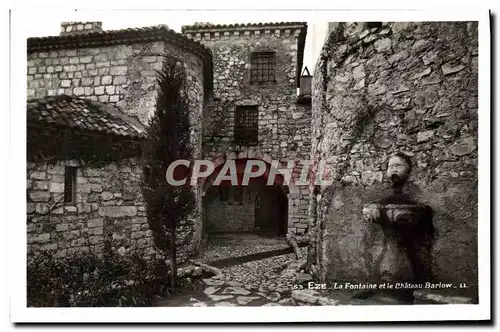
(83, 114)
(207, 25)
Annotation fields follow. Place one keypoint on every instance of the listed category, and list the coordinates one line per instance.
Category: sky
(35, 25)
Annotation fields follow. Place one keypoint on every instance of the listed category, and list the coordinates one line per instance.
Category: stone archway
(244, 154)
(255, 207)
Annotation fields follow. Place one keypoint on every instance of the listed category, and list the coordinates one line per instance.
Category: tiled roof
(208, 25)
(113, 37)
(82, 114)
(125, 36)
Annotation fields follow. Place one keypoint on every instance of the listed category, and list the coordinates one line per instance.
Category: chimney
(305, 83)
(79, 28)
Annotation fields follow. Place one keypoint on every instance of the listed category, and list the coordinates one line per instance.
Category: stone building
(83, 177)
(115, 69)
(255, 114)
(388, 87)
(378, 88)
(242, 93)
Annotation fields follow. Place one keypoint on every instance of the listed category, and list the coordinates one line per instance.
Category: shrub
(87, 279)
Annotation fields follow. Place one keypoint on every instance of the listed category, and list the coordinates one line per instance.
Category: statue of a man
(408, 224)
(398, 169)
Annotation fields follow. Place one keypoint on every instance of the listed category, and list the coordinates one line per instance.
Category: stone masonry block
(97, 222)
(110, 89)
(119, 70)
(96, 239)
(43, 238)
(39, 196)
(65, 83)
(118, 211)
(106, 80)
(99, 90)
(40, 185)
(61, 227)
(78, 91)
(41, 208)
(87, 81)
(119, 80)
(85, 59)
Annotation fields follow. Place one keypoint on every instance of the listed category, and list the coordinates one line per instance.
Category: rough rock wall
(124, 75)
(409, 87)
(284, 126)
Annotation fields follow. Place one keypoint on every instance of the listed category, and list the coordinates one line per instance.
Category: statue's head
(398, 168)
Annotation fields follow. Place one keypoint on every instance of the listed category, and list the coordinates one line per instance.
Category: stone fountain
(407, 228)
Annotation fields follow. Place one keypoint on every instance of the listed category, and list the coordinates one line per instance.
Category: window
(70, 185)
(263, 68)
(246, 125)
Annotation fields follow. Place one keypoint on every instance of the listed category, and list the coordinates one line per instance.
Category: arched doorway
(271, 211)
(256, 207)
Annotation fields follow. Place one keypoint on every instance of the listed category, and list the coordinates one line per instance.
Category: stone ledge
(429, 297)
(190, 271)
(312, 297)
(207, 267)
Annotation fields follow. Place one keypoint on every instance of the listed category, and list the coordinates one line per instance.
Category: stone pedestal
(404, 227)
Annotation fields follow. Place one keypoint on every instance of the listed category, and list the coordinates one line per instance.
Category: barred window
(70, 185)
(263, 67)
(246, 125)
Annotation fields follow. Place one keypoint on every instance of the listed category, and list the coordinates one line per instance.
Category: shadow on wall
(252, 208)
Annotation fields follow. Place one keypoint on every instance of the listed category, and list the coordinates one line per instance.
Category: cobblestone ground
(265, 272)
(256, 283)
(260, 282)
(221, 246)
(217, 292)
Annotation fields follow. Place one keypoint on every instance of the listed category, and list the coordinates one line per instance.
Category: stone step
(312, 297)
(436, 297)
(226, 262)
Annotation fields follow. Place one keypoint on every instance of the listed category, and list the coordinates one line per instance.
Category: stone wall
(77, 28)
(260, 208)
(230, 215)
(123, 75)
(283, 125)
(109, 206)
(409, 87)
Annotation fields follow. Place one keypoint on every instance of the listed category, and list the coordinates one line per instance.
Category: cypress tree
(169, 140)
